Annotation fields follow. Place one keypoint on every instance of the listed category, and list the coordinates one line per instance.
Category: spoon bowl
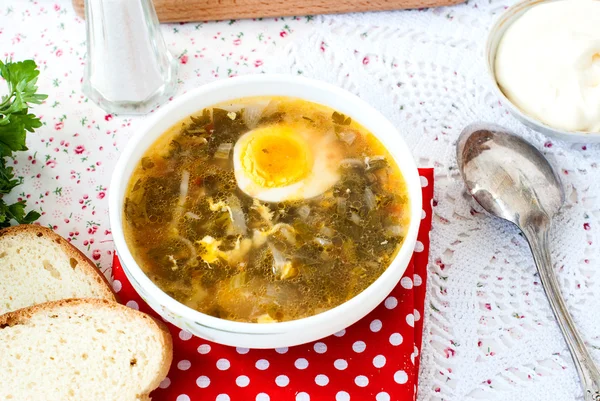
(507, 176)
(512, 180)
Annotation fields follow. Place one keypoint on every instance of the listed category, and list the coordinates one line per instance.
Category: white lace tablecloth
(489, 331)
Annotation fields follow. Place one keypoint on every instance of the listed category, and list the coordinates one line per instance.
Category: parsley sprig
(15, 121)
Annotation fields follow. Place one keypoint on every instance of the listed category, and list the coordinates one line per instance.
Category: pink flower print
(283, 34)
(258, 63)
(108, 117)
(365, 61)
(96, 254)
(586, 226)
(79, 149)
(92, 230)
(59, 125)
(51, 163)
(449, 352)
(237, 42)
(101, 195)
(56, 7)
(184, 59)
(59, 53)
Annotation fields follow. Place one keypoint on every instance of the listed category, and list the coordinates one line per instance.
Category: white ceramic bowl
(271, 335)
(494, 37)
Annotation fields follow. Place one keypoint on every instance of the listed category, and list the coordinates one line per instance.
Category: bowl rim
(494, 36)
(134, 272)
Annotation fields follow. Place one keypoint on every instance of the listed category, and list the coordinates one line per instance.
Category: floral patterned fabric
(489, 333)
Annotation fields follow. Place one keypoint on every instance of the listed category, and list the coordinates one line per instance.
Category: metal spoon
(512, 180)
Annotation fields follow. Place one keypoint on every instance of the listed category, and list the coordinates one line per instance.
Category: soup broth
(265, 209)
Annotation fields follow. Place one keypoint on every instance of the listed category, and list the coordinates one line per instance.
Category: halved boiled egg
(284, 162)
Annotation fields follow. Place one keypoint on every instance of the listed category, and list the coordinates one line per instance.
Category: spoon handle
(587, 370)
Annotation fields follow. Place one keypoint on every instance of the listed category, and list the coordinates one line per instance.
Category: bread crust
(22, 316)
(83, 262)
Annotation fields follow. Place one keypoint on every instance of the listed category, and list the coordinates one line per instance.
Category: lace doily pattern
(490, 333)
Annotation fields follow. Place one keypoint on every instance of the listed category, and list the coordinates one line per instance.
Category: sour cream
(548, 64)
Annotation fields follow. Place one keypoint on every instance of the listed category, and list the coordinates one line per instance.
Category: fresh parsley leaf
(16, 212)
(15, 121)
(7, 178)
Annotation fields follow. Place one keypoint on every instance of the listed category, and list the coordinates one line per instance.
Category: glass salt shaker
(129, 69)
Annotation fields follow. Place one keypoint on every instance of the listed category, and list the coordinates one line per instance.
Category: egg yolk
(276, 156)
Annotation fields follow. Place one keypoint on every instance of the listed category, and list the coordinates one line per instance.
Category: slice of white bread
(82, 349)
(37, 265)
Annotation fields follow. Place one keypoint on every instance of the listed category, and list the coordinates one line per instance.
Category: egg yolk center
(276, 156)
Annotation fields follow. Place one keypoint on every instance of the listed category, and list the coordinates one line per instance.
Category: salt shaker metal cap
(129, 69)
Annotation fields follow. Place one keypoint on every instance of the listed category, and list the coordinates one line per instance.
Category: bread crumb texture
(37, 265)
(81, 350)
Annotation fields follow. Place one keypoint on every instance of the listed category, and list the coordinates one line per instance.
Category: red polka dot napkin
(375, 359)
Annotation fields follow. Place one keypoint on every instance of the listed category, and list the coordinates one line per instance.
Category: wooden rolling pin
(209, 10)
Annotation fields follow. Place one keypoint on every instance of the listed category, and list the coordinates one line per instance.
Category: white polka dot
(375, 325)
(282, 380)
(223, 364)
(262, 397)
(424, 182)
(302, 397)
(361, 381)
(204, 349)
(184, 364)
(406, 283)
(182, 397)
(320, 348)
(423, 214)
(342, 396)
(301, 363)
(185, 335)
(282, 350)
(340, 333)
(134, 305)
(116, 285)
(262, 364)
(419, 247)
(202, 381)
(414, 354)
(340, 364)
(396, 339)
(359, 346)
(379, 361)
(165, 383)
(242, 381)
(321, 380)
(417, 315)
(222, 397)
(242, 351)
(410, 320)
(400, 377)
(417, 280)
(391, 302)
(383, 396)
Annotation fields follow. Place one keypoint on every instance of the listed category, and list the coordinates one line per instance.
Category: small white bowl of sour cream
(280, 334)
(553, 110)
